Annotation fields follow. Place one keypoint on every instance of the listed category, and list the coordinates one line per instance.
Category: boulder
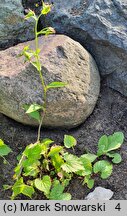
(13, 27)
(101, 27)
(62, 59)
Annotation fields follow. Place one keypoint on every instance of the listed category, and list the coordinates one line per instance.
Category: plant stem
(41, 77)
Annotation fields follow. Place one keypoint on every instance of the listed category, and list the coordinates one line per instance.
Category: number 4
(118, 207)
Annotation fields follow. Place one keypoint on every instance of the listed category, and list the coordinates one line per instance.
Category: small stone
(100, 193)
(99, 127)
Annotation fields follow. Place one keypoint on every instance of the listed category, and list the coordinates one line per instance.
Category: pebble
(100, 193)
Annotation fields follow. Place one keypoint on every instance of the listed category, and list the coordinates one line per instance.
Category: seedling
(49, 168)
(4, 151)
(38, 111)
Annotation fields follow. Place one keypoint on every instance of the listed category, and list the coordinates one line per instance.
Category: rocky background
(100, 26)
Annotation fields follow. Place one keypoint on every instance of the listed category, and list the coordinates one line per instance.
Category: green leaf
(46, 31)
(56, 85)
(28, 55)
(26, 48)
(47, 141)
(46, 9)
(4, 149)
(115, 141)
(57, 192)
(57, 162)
(72, 164)
(45, 164)
(116, 157)
(17, 170)
(65, 182)
(37, 65)
(90, 157)
(18, 157)
(37, 51)
(55, 150)
(36, 115)
(43, 184)
(31, 14)
(69, 141)
(19, 167)
(88, 181)
(104, 167)
(33, 108)
(20, 188)
(86, 165)
(109, 143)
(33, 151)
(30, 167)
(5, 161)
(102, 145)
(7, 187)
(45, 145)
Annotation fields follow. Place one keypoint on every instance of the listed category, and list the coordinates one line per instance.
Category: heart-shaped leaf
(90, 157)
(72, 164)
(69, 141)
(4, 149)
(103, 167)
(57, 192)
(43, 184)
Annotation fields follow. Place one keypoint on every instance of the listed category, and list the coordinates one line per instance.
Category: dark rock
(101, 27)
(13, 27)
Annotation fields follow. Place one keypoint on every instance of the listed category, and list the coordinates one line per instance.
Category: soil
(109, 115)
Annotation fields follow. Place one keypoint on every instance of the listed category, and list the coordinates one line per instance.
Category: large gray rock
(13, 27)
(101, 27)
(63, 59)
